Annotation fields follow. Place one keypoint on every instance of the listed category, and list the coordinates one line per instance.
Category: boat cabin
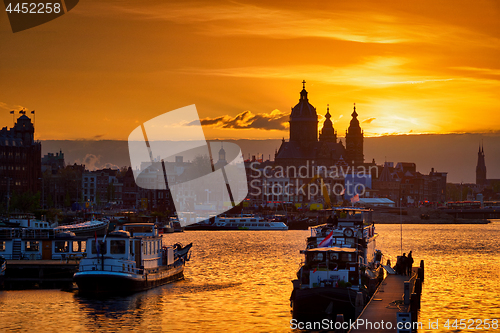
(134, 248)
(39, 244)
(329, 266)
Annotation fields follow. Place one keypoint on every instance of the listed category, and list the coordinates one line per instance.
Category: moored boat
(240, 222)
(341, 267)
(129, 260)
(85, 229)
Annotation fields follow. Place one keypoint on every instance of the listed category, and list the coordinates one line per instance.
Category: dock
(388, 303)
(29, 274)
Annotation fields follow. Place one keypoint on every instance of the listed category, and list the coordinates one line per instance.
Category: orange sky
(107, 66)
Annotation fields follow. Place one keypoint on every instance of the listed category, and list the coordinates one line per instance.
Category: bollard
(414, 306)
(340, 319)
(407, 292)
(418, 286)
(423, 270)
(359, 303)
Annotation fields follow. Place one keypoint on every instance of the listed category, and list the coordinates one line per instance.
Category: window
(131, 248)
(117, 247)
(61, 246)
(79, 246)
(32, 246)
(2, 246)
(102, 247)
(347, 257)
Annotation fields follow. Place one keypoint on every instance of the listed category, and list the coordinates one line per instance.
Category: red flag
(355, 198)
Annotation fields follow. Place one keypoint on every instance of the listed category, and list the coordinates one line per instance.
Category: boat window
(131, 248)
(232, 221)
(347, 257)
(79, 246)
(102, 247)
(61, 246)
(117, 247)
(334, 256)
(316, 256)
(144, 248)
(2, 246)
(253, 220)
(267, 224)
(254, 224)
(32, 246)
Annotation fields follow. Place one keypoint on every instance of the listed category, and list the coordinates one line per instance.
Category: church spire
(354, 114)
(481, 167)
(354, 141)
(303, 93)
(328, 133)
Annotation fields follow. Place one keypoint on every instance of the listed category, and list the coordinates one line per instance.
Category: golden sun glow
(409, 69)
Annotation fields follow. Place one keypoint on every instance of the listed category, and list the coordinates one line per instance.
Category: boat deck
(384, 305)
(31, 263)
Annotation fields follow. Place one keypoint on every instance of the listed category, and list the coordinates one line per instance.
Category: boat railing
(124, 268)
(23, 256)
(26, 233)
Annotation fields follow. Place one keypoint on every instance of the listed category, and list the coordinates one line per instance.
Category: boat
(40, 244)
(240, 222)
(3, 268)
(25, 220)
(341, 267)
(129, 260)
(85, 229)
(177, 225)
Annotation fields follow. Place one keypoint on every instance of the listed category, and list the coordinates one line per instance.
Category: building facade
(20, 159)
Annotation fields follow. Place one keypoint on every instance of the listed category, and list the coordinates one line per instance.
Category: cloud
(369, 24)
(276, 120)
(91, 162)
(375, 71)
(11, 107)
(488, 71)
(368, 121)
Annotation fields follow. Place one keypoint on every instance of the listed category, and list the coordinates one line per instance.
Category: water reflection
(241, 281)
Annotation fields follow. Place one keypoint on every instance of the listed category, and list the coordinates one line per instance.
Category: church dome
(304, 110)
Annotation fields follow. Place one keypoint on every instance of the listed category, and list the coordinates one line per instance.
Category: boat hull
(324, 302)
(104, 282)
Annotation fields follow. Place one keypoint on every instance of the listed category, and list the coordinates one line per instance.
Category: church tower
(328, 134)
(481, 167)
(354, 141)
(303, 120)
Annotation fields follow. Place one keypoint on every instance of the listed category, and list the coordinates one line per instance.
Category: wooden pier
(388, 303)
(28, 274)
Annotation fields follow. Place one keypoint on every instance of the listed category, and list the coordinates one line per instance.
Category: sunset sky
(107, 66)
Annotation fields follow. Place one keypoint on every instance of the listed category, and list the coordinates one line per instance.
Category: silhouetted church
(481, 170)
(304, 144)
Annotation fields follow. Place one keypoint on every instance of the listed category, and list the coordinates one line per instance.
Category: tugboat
(129, 260)
(341, 269)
